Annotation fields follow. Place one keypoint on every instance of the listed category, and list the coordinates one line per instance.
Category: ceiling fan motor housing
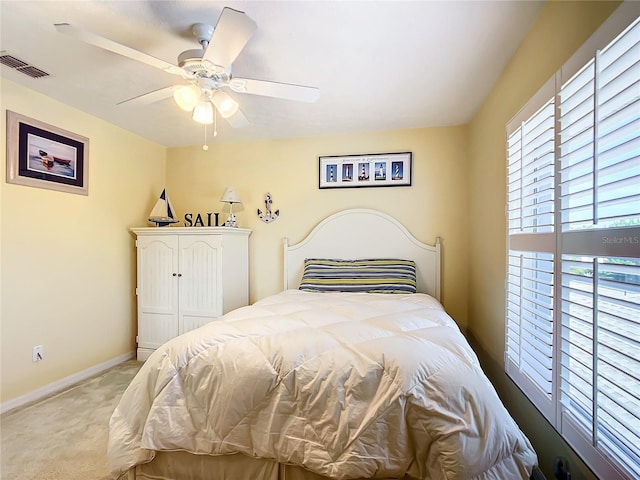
(191, 60)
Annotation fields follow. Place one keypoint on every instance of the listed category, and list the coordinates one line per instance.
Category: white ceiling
(379, 65)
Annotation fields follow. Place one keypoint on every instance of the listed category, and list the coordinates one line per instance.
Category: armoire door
(200, 281)
(157, 290)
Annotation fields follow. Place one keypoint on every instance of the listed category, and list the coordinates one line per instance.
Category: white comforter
(348, 385)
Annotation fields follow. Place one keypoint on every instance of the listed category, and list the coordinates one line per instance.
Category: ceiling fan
(206, 70)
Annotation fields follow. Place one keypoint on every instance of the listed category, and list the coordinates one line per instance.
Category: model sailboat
(163, 213)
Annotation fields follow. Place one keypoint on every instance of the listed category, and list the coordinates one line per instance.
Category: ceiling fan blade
(110, 45)
(231, 34)
(151, 97)
(275, 89)
(237, 120)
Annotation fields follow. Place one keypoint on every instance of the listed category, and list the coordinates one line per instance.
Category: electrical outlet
(37, 353)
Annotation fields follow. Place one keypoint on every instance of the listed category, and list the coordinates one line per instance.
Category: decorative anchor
(268, 216)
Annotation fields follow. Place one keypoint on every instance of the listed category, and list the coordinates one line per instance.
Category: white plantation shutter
(531, 173)
(573, 280)
(599, 131)
(530, 217)
(576, 148)
(618, 120)
(530, 277)
(530, 317)
(600, 358)
(600, 196)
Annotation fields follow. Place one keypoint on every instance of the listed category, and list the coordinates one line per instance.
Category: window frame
(590, 241)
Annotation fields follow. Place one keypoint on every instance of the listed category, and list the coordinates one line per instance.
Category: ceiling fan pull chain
(205, 147)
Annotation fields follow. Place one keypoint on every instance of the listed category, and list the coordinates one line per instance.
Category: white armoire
(187, 277)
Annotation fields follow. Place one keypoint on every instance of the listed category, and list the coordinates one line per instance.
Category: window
(573, 272)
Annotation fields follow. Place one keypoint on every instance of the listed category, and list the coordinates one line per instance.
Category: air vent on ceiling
(21, 66)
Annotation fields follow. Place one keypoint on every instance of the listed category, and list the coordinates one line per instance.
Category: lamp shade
(203, 111)
(187, 97)
(226, 105)
(230, 195)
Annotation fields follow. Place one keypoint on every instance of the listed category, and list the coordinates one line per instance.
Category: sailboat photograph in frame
(44, 156)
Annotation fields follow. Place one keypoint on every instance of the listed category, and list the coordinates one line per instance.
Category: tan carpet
(64, 437)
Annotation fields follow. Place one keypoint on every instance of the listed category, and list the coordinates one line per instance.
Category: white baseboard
(63, 383)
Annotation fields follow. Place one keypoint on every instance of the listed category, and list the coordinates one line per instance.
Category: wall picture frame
(366, 170)
(45, 156)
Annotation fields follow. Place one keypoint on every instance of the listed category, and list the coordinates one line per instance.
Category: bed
(346, 374)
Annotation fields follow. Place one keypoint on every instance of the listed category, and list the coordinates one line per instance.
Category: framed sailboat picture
(45, 156)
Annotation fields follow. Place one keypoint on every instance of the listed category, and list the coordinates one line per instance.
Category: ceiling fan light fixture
(203, 111)
(187, 97)
(226, 105)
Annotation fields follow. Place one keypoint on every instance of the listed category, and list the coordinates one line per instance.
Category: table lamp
(230, 196)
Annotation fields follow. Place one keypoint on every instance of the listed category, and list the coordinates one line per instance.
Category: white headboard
(364, 233)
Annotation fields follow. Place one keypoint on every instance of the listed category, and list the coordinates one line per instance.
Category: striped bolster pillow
(386, 275)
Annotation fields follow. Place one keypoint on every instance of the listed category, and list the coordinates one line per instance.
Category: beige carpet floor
(64, 437)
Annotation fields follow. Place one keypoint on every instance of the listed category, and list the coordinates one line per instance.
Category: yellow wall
(435, 204)
(67, 264)
(557, 33)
